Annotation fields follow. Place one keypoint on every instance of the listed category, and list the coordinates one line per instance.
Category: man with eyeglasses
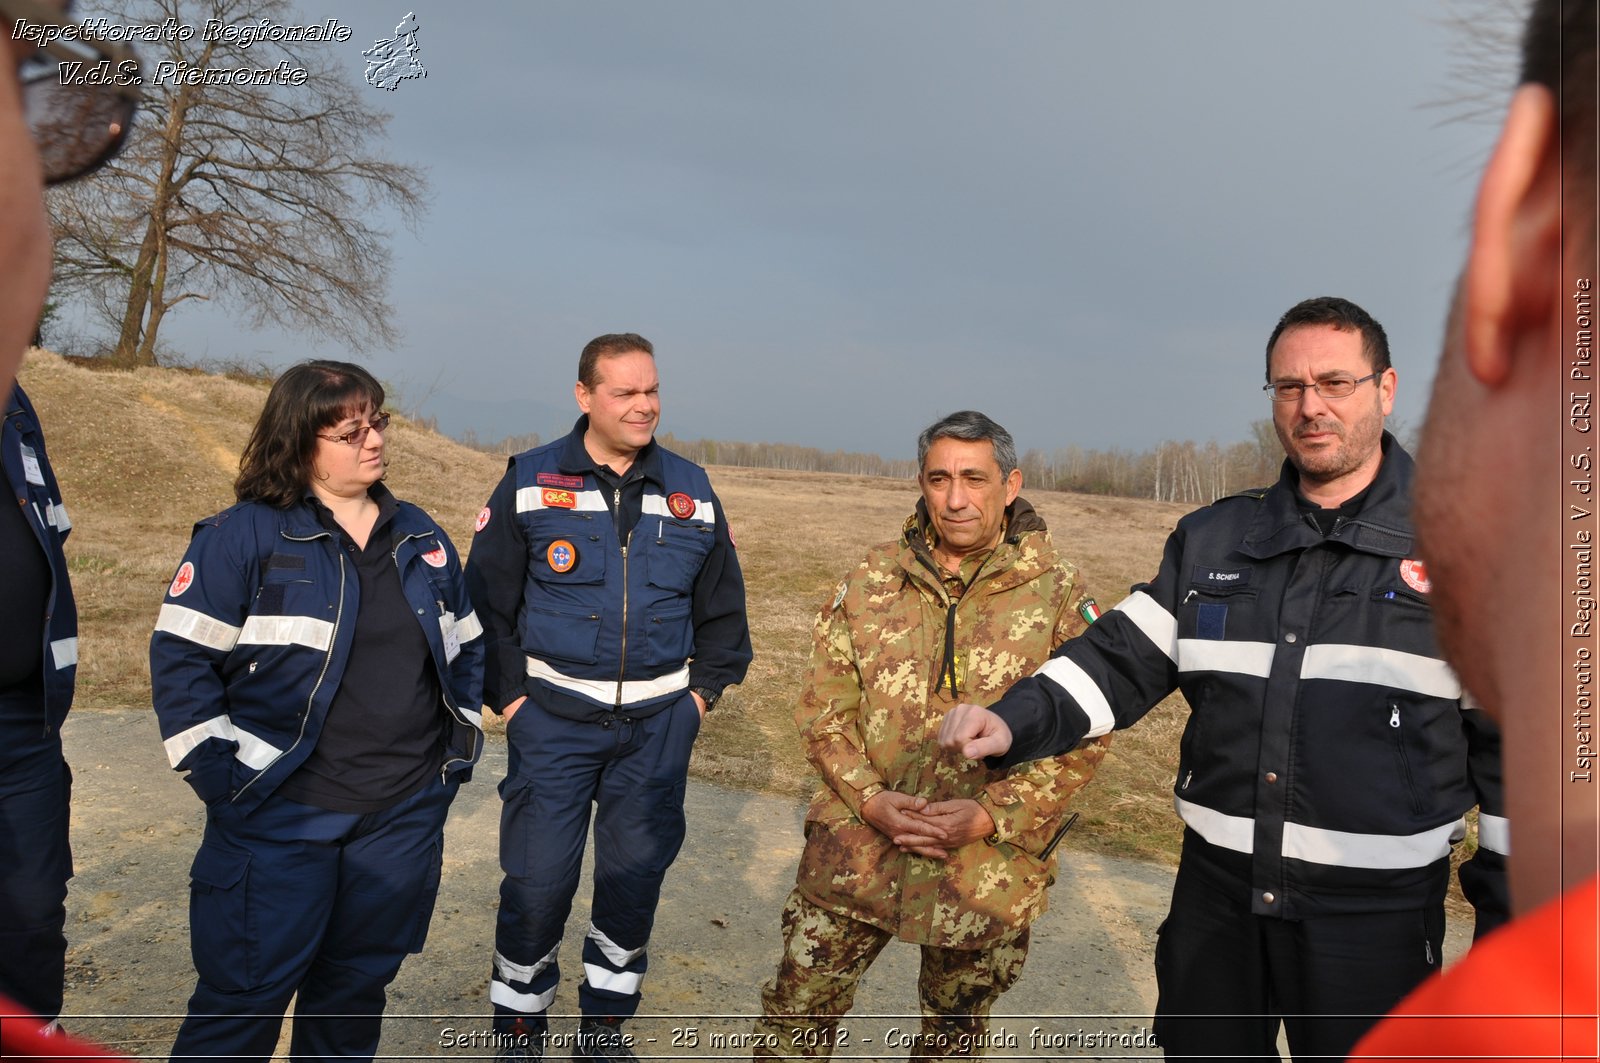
(49, 133)
(1328, 759)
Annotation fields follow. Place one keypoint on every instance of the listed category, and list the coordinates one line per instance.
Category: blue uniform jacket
(590, 625)
(33, 486)
(253, 637)
(1328, 757)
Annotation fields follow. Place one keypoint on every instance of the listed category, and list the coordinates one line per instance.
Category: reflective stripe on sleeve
(1380, 667)
(255, 752)
(469, 627)
(1494, 832)
(180, 744)
(287, 631)
(1211, 655)
(1158, 625)
(604, 691)
(64, 652)
(197, 627)
(252, 751)
(1066, 674)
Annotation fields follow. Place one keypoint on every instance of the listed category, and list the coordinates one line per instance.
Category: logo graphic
(182, 581)
(561, 555)
(1416, 576)
(435, 557)
(392, 61)
(681, 505)
(483, 519)
(559, 499)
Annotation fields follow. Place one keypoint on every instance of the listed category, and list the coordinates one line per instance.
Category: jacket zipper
(622, 665)
(1405, 761)
(333, 640)
(444, 680)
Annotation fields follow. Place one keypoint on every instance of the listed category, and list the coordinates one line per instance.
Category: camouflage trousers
(825, 955)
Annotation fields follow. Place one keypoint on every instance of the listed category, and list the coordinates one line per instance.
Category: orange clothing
(21, 1037)
(1527, 991)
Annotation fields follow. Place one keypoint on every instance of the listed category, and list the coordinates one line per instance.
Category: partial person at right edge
(1507, 557)
(1328, 758)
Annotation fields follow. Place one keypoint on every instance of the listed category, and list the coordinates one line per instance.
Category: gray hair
(971, 426)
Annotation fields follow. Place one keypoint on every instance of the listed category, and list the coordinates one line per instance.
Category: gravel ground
(1087, 991)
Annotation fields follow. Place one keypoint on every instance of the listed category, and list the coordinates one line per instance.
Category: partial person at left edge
(317, 669)
(49, 133)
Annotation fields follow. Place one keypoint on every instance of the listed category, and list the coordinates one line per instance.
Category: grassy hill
(144, 453)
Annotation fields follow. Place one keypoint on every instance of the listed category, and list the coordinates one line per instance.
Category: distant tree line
(1173, 471)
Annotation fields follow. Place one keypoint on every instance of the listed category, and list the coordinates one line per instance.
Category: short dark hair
(607, 346)
(1558, 52)
(279, 460)
(972, 426)
(1339, 314)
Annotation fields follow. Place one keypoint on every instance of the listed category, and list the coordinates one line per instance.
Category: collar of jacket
(1382, 527)
(575, 459)
(1021, 520)
(300, 522)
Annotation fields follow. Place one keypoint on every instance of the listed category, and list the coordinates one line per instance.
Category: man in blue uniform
(1328, 758)
(613, 610)
(49, 133)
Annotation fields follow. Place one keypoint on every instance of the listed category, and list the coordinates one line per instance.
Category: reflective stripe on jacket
(255, 631)
(1328, 758)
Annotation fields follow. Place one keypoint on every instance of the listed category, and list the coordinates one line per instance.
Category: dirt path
(136, 825)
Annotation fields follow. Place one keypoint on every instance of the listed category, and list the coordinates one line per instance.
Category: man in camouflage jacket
(904, 840)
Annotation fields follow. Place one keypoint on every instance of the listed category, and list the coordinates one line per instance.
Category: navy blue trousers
(35, 858)
(633, 772)
(1226, 977)
(294, 898)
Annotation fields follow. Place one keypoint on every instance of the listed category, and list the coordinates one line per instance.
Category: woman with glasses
(317, 671)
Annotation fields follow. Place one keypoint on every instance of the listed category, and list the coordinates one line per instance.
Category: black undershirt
(1326, 518)
(383, 738)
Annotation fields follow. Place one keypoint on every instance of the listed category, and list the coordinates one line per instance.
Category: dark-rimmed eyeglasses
(358, 436)
(79, 91)
(1329, 387)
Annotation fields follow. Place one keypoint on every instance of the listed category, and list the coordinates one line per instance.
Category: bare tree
(252, 177)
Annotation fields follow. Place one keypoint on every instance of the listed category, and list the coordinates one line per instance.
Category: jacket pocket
(562, 634)
(1398, 727)
(676, 554)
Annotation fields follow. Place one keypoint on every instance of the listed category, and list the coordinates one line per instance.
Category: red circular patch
(562, 555)
(183, 580)
(483, 518)
(1416, 576)
(681, 505)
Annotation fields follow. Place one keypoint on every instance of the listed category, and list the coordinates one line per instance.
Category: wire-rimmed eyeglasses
(79, 91)
(358, 436)
(1329, 387)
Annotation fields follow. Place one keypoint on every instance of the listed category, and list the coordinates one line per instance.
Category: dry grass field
(143, 454)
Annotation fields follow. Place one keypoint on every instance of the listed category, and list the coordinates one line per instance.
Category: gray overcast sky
(839, 219)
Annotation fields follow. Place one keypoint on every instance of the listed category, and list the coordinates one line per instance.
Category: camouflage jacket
(878, 688)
